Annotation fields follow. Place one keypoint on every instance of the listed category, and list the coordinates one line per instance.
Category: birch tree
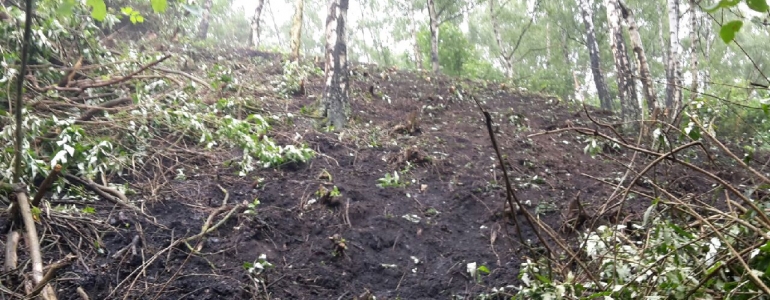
(335, 106)
(413, 32)
(593, 52)
(693, 50)
(296, 30)
(255, 23)
(506, 53)
(673, 72)
(629, 104)
(641, 57)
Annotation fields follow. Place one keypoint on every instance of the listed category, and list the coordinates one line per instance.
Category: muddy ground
(411, 241)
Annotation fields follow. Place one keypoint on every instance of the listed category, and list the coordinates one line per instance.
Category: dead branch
(82, 85)
(50, 274)
(89, 184)
(11, 244)
(33, 242)
(191, 77)
(46, 185)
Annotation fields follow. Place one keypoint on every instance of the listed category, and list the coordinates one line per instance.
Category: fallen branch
(193, 78)
(33, 242)
(50, 274)
(85, 84)
(46, 185)
(89, 184)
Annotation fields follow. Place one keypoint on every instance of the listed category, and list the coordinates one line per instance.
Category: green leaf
(766, 109)
(139, 19)
(483, 269)
(765, 248)
(757, 5)
(694, 133)
(99, 9)
(721, 4)
(65, 9)
(159, 6)
(728, 30)
(127, 10)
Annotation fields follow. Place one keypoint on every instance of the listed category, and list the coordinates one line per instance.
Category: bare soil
(406, 242)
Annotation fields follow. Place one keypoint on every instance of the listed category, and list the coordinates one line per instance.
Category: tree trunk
(641, 57)
(505, 58)
(255, 21)
(629, 104)
(296, 30)
(416, 46)
(203, 28)
(593, 52)
(673, 72)
(548, 43)
(433, 36)
(693, 50)
(335, 98)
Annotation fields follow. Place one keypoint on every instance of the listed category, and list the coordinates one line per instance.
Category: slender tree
(433, 35)
(255, 22)
(694, 49)
(641, 57)
(335, 104)
(629, 104)
(296, 30)
(203, 28)
(673, 72)
(593, 53)
(507, 53)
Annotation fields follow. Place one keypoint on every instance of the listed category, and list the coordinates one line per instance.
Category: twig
(730, 153)
(82, 293)
(98, 190)
(50, 274)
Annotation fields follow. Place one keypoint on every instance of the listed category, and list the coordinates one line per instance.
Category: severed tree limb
(191, 77)
(82, 85)
(50, 274)
(89, 114)
(46, 185)
(33, 242)
(11, 244)
(115, 200)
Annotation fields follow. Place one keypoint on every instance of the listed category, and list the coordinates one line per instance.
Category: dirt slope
(406, 242)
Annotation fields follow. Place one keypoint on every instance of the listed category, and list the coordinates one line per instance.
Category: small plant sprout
(251, 208)
(390, 181)
(339, 245)
(257, 268)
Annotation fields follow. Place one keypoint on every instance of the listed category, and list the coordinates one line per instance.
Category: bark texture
(593, 52)
(629, 103)
(641, 57)
(694, 50)
(673, 71)
(335, 98)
